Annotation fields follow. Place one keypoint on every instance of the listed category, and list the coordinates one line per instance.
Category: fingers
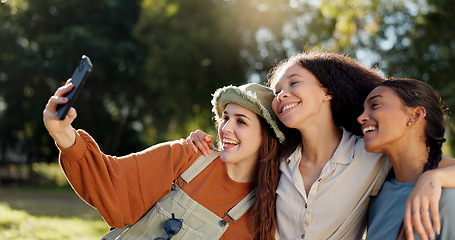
(199, 140)
(407, 223)
(425, 219)
(61, 91)
(71, 115)
(189, 141)
(50, 111)
(434, 209)
(205, 141)
(58, 98)
(209, 140)
(417, 223)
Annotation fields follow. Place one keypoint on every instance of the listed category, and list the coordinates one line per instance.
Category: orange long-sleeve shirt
(122, 189)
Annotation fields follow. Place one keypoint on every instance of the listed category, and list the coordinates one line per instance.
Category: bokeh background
(156, 63)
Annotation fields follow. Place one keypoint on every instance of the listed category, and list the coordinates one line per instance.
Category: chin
(225, 157)
(371, 148)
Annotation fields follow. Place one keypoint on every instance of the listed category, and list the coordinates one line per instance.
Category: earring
(409, 124)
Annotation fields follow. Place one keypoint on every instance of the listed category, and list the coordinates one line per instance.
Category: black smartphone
(78, 79)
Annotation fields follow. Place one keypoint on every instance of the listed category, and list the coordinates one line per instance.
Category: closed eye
(375, 105)
(276, 92)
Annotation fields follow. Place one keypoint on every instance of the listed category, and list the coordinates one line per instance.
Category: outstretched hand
(422, 202)
(200, 140)
(60, 130)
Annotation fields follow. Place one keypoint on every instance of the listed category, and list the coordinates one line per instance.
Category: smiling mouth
(230, 141)
(288, 106)
(368, 129)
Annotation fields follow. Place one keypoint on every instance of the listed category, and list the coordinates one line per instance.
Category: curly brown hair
(345, 79)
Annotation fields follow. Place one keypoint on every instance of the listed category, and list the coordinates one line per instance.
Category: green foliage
(51, 172)
(15, 224)
(156, 62)
(189, 56)
(44, 41)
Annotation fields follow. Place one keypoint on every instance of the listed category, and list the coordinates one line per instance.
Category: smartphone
(78, 79)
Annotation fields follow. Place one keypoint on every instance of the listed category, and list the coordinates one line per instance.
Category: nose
(227, 127)
(282, 95)
(362, 118)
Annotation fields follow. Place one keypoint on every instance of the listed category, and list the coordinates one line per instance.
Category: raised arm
(424, 200)
(122, 189)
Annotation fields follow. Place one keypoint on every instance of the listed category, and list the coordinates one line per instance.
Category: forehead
(290, 70)
(385, 93)
(234, 108)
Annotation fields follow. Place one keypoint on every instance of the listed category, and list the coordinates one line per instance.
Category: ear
(418, 113)
(327, 97)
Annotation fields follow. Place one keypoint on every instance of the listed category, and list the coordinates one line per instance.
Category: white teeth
(367, 129)
(288, 107)
(229, 141)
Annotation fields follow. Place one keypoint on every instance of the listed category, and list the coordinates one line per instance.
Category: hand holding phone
(78, 79)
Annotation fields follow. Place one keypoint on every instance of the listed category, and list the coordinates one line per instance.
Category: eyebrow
(287, 77)
(237, 115)
(373, 97)
(293, 75)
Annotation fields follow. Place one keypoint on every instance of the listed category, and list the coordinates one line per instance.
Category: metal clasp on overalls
(174, 184)
(223, 222)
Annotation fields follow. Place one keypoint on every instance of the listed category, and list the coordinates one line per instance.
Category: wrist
(65, 138)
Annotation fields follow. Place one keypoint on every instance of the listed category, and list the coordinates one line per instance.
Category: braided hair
(416, 93)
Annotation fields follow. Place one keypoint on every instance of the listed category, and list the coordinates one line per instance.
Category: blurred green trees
(156, 62)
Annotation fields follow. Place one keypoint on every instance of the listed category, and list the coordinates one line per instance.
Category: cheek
(220, 129)
(275, 106)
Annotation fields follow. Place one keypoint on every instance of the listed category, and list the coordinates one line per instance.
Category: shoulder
(170, 149)
(446, 161)
(355, 145)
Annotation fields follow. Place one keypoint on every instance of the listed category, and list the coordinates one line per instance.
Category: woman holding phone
(183, 195)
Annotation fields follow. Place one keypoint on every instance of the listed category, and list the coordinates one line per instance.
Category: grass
(47, 213)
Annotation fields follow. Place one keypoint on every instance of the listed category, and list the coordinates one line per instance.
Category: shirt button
(306, 205)
(303, 235)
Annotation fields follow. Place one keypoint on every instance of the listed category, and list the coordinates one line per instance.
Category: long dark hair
(264, 216)
(414, 93)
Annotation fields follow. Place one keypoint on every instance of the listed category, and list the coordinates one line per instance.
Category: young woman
(403, 119)
(326, 177)
(210, 202)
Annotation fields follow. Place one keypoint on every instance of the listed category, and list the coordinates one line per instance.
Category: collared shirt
(336, 205)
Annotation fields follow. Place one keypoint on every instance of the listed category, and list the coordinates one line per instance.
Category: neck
(408, 160)
(320, 142)
(242, 172)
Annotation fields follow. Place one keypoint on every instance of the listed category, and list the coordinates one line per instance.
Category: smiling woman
(321, 95)
(403, 118)
(215, 193)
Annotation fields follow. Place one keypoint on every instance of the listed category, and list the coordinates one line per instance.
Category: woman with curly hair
(326, 177)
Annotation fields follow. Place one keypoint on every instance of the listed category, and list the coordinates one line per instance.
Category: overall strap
(241, 207)
(200, 164)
